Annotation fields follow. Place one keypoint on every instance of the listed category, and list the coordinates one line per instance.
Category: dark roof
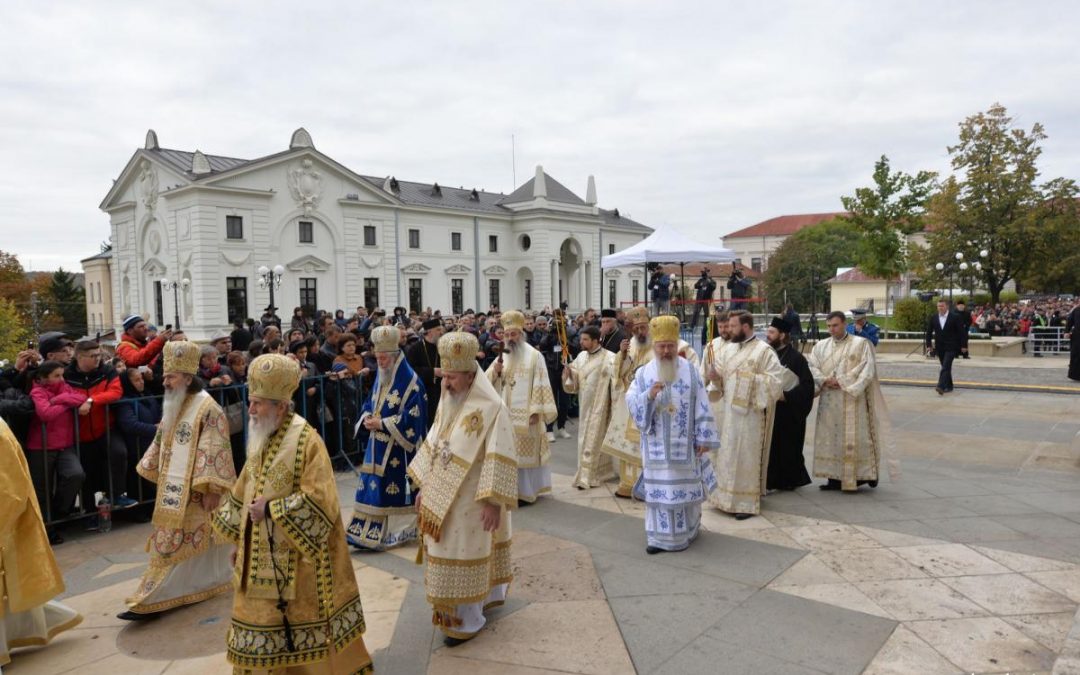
(104, 255)
(782, 226)
(181, 161)
(853, 275)
(556, 192)
(613, 217)
(424, 194)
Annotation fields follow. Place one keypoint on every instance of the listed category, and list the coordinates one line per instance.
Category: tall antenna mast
(513, 162)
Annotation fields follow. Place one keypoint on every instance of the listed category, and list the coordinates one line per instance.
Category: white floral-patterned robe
(591, 381)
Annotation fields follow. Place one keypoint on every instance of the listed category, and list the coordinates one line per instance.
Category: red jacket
(101, 384)
(54, 409)
(137, 353)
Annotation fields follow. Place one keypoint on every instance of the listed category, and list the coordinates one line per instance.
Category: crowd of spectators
(1020, 319)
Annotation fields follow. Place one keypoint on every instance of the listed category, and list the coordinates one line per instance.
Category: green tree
(885, 215)
(14, 331)
(801, 265)
(994, 202)
(1056, 250)
(13, 283)
(69, 301)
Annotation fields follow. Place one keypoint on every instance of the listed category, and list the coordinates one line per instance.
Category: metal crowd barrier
(332, 410)
(1047, 340)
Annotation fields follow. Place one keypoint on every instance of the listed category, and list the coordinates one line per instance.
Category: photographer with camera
(660, 287)
(705, 287)
(739, 286)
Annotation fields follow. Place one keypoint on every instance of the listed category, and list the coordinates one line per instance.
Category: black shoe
(522, 503)
(831, 485)
(54, 538)
(872, 483)
(623, 496)
(453, 641)
(134, 616)
(965, 356)
(653, 550)
(743, 516)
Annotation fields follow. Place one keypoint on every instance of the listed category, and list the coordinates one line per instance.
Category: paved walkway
(1047, 374)
(971, 563)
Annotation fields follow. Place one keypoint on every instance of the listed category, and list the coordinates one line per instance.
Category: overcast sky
(703, 116)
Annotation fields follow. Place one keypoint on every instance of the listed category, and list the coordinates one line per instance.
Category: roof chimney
(590, 192)
(200, 166)
(540, 184)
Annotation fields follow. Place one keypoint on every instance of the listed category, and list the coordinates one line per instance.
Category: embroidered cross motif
(394, 462)
(444, 452)
(373, 485)
(394, 398)
(392, 489)
(409, 433)
(183, 432)
(415, 411)
(681, 387)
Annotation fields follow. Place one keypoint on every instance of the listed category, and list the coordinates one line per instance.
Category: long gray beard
(171, 404)
(667, 370)
(259, 432)
(386, 375)
(450, 406)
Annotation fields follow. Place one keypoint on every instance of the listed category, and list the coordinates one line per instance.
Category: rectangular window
(493, 292)
(234, 227)
(457, 296)
(414, 238)
(369, 235)
(307, 232)
(309, 300)
(416, 292)
(236, 298)
(755, 264)
(493, 243)
(455, 242)
(371, 292)
(612, 291)
(635, 288)
(610, 248)
(528, 294)
(159, 305)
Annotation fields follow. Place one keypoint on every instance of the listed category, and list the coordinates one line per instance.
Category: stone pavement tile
(935, 507)
(782, 519)
(741, 560)
(844, 595)
(1020, 562)
(206, 665)
(717, 521)
(995, 505)
(1041, 526)
(726, 657)
(889, 491)
(379, 629)
(604, 502)
(949, 560)
(656, 627)
(906, 654)
(865, 511)
(892, 539)
(830, 537)
(813, 634)
(984, 645)
(445, 663)
(976, 529)
(118, 663)
(99, 608)
(1049, 630)
(1010, 594)
(626, 576)
(1064, 551)
(769, 535)
(527, 543)
(870, 564)
(557, 576)
(195, 630)
(911, 528)
(1066, 582)
(575, 637)
(70, 650)
(406, 552)
(917, 599)
(631, 507)
(568, 521)
(808, 571)
(117, 568)
(953, 488)
(380, 591)
(806, 510)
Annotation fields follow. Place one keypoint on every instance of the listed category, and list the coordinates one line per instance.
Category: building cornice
(234, 191)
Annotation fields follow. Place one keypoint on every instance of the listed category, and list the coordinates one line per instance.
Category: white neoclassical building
(345, 239)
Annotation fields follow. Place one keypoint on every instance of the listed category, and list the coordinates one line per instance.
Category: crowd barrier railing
(1047, 340)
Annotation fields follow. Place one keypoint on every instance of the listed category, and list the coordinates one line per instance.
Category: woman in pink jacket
(54, 464)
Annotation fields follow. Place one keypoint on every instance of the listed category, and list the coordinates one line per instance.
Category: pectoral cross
(444, 452)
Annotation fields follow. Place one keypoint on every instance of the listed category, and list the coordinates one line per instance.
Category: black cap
(781, 324)
(608, 314)
(432, 323)
(52, 341)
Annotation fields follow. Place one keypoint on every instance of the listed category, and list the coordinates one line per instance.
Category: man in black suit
(945, 333)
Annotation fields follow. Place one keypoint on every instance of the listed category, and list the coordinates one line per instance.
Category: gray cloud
(704, 116)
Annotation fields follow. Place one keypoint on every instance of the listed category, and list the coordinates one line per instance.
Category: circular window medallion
(526, 242)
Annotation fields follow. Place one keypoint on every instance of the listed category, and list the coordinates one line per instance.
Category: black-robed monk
(787, 468)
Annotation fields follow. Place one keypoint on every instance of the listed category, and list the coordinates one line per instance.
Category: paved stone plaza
(971, 563)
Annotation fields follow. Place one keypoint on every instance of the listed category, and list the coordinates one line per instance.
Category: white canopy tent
(667, 245)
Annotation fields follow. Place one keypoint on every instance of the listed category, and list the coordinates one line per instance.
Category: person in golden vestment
(622, 440)
(589, 376)
(296, 608)
(190, 459)
(467, 471)
(521, 379)
(29, 575)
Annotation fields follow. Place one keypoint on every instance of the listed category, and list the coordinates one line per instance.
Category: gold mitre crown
(457, 352)
(513, 319)
(637, 315)
(664, 328)
(182, 357)
(386, 339)
(274, 377)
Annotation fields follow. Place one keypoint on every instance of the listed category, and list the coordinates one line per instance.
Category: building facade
(345, 239)
(754, 245)
(97, 275)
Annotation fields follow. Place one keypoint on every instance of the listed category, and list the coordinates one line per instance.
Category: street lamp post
(176, 287)
(960, 268)
(271, 278)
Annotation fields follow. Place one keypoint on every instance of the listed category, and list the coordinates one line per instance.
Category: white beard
(386, 375)
(666, 370)
(259, 432)
(450, 406)
(171, 404)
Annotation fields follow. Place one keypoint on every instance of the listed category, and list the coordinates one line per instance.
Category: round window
(526, 242)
